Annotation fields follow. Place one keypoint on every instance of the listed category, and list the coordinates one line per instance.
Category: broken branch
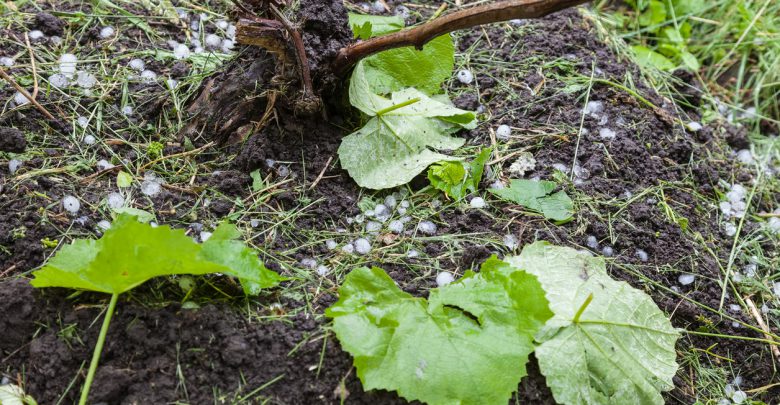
(422, 34)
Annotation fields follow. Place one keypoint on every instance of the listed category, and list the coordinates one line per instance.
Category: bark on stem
(421, 34)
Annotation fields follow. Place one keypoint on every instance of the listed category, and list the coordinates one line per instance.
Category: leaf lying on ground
(537, 196)
(130, 253)
(395, 69)
(395, 145)
(616, 349)
(467, 344)
(457, 179)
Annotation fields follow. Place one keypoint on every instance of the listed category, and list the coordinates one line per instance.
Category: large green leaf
(467, 344)
(130, 253)
(538, 196)
(620, 350)
(396, 144)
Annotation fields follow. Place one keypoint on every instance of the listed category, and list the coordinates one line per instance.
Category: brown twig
(300, 51)
(26, 95)
(422, 34)
(32, 64)
(767, 333)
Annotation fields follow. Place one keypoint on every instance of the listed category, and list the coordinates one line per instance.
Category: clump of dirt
(49, 24)
(12, 140)
(325, 31)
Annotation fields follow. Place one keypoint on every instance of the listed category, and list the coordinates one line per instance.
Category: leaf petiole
(98, 349)
(397, 106)
(582, 308)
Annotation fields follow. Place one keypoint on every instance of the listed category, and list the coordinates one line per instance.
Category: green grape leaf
(367, 26)
(538, 196)
(457, 179)
(608, 342)
(130, 253)
(467, 344)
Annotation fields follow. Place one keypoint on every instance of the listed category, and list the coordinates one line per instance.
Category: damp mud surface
(159, 351)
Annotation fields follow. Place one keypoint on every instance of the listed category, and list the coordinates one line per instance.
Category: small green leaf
(141, 215)
(467, 344)
(257, 180)
(366, 26)
(538, 196)
(649, 58)
(608, 343)
(654, 14)
(457, 179)
(124, 179)
(690, 61)
(130, 253)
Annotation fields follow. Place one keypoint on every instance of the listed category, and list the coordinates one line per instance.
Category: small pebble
(465, 76)
(71, 204)
(686, 279)
(477, 203)
(444, 278)
(362, 246)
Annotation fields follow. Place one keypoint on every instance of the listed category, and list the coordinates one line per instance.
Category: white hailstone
(405, 219)
(518, 21)
(283, 171)
(608, 251)
(436, 203)
(254, 223)
(739, 397)
(71, 204)
(560, 167)
(774, 225)
(309, 263)
(686, 279)
(197, 49)
(641, 255)
(127, 110)
(725, 208)
(331, 244)
(764, 309)
(55, 40)
(205, 235)
(477, 203)
(402, 11)
(373, 226)
(104, 225)
(606, 133)
(6, 61)
(396, 227)
(694, 126)
(148, 76)
(20, 99)
(88, 140)
(348, 248)
(195, 25)
(497, 185)
(14, 165)
(212, 41)
(405, 204)
(137, 64)
(228, 45)
(776, 288)
(729, 229)
(68, 64)
(427, 227)
(412, 254)
(35, 34)
(107, 32)
(151, 187)
(735, 308)
(221, 24)
(444, 278)
(231, 31)
(171, 83)
(737, 381)
(745, 156)
(751, 269)
(172, 44)
(524, 163)
(181, 51)
(592, 242)
(104, 164)
(390, 201)
(86, 80)
(82, 121)
(115, 200)
(465, 76)
(378, 7)
(729, 390)
(594, 108)
(503, 132)
(362, 246)
(322, 270)
(510, 241)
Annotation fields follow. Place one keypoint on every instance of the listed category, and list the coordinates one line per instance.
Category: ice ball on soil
(86, 80)
(104, 164)
(309, 263)
(592, 242)
(204, 236)
(686, 279)
(6, 61)
(739, 397)
(88, 140)
(71, 204)
(212, 41)
(378, 7)
(525, 162)
(181, 51)
(444, 278)
(606, 133)
(137, 64)
(322, 270)
(35, 34)
(348, 248)
(427, 227)
(68, 64)
(694, 126)
(115, 200)
(412, 254)
(373, 226)
(594, 107)
(402, 11)
(151, 187)
(82, 121)
(465, 76)
(774, 225)
(59, 80)
(510, 241)
(148, 76)
(735, 308)
(104, 225)
(127, 110)
(221, 24)
(776, 288)
(478, 202)
(745, 156)
(362, 246)
(608, 251)
(227, 45)
(107, 32)
(231, 31)
(254, 223)
(497, 185)
(560, 167)
(331, 244)
(390, 201)
(641, 255)
(20, 99)
(396, 227)
(503, 132)
(14, 165)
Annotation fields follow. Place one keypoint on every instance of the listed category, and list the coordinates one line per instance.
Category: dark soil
(165, 353)
(12, 140)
